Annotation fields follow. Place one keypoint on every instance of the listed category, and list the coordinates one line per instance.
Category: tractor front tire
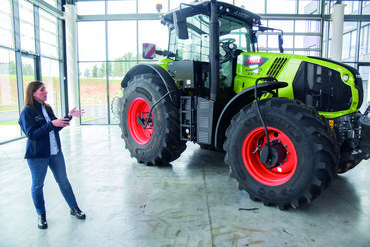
(156, 142)
(306, 145)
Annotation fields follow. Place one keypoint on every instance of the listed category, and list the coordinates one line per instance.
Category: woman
(43, 149)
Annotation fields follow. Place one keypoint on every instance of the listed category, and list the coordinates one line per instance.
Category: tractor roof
(224, 9)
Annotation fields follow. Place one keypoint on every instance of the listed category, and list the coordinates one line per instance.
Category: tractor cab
(204, 51)
(234, 35)
(197, 44)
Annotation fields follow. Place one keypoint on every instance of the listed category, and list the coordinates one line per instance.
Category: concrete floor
(192, 203)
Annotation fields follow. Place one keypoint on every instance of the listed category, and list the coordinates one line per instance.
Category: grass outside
(92, 90)
(83, 119)
(10, 123)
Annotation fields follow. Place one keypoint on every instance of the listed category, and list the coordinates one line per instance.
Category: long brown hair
(32, 87)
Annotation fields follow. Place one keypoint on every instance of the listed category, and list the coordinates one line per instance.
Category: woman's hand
(76, 113)
(61, 122)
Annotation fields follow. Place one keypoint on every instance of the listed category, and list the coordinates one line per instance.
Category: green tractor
(287, 123)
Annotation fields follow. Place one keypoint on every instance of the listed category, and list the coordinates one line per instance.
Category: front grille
(322, 88)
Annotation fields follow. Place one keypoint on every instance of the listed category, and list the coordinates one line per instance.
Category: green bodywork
(236, 28)
(253, 65)
(163, 62)
(262, 65)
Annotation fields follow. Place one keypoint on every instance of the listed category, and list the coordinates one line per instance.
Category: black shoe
(42, 223)
(78, 213)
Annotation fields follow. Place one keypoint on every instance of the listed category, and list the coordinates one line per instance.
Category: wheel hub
(272, 164)
(139, 123)
(143, 121)
(273, 155)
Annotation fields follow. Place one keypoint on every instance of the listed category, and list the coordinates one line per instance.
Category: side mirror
(280, 36)
(180, 25)
(148, 51)
(281, 41)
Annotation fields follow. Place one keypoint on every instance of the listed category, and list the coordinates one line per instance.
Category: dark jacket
(34, 125)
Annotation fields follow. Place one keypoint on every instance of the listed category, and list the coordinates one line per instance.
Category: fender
(154, 69)
(240, 100)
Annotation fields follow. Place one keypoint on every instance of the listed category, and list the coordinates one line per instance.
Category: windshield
(197, 46)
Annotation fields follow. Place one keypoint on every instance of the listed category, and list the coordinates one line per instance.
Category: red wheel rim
(139, 107)
(258, 170)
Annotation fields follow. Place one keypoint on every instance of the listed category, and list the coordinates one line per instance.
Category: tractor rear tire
(311, 157)
(159, 142)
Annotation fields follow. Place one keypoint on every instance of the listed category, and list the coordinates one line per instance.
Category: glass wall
(8, 96)
(27, 26)
(50, 77)
(30, 35)
(364, 47)
(110, 37)
(117, 48)
(6, 27)
(93, 71)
